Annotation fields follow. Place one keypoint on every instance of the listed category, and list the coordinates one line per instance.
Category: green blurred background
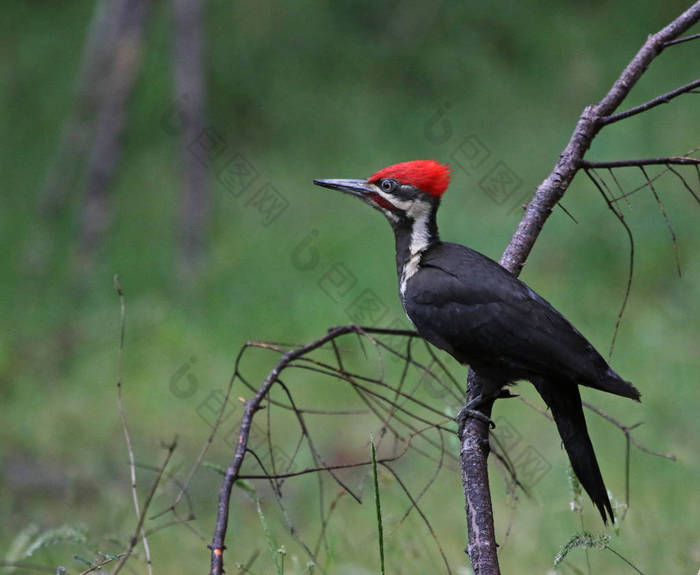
(308, 90)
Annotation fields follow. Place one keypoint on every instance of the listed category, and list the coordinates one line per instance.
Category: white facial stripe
(403, 205)
(419, 212)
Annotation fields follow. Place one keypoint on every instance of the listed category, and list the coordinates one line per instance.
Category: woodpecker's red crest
(427, 175)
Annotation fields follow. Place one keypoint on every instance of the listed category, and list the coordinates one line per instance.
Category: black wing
(467, 304)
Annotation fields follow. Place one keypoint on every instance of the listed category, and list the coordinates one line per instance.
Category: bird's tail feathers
(613, 383)
(564, 400)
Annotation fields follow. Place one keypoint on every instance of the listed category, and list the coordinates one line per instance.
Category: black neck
(405, 229)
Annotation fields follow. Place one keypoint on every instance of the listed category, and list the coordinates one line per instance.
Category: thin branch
(681, 40)
(179, 521)
(537, 408)
(685, 184)
(217, 545)
(626, 429)
(670, 160)
(146, 504)
(624, 559)
(630, 273)
(415, 505)
(324, 527)
(210, 439)
(662, 99)
(318, 459)
(505, 460)
(122, 417)
(101, 564)
(662, 209)
(429, 483)
(318, 469)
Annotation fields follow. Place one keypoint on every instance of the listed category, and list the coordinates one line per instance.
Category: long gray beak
(355, 187)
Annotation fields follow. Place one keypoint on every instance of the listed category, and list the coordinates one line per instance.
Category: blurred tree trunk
(190, 96)
(66, 168)
(119, 78)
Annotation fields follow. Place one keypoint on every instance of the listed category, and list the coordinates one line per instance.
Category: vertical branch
(482, 547)
(474, 434)
(125, 427)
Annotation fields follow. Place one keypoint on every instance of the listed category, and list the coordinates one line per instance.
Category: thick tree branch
(474, 435)
(553, 187)
(482, 547)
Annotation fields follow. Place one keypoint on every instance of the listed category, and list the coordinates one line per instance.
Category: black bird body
(468, 305)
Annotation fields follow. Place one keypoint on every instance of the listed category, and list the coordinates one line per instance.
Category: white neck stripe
(420, 240)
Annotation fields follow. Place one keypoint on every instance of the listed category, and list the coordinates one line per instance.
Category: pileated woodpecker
(467, 304)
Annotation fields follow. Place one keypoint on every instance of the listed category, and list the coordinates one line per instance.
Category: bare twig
(203, 451)
(122, 417)
(626, 429)
(685, 183)
(682, 40)
(384, 400)
(217, 545)
(662, 99)
(381, 398)
(662, 209)
(671, 160)
(105, 561)
(415, 505)
(630, 274)
(146, 504)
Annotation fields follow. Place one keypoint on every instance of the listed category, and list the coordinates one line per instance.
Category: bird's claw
(465, 413)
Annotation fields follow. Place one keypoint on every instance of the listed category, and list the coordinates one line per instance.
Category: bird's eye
(388, 185)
